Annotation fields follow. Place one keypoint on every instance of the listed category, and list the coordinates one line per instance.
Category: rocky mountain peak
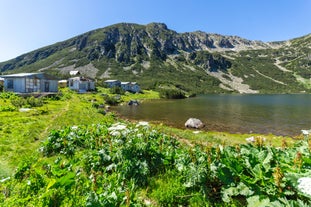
(154, 54)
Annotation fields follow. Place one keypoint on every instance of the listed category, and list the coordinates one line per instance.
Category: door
(46, 86)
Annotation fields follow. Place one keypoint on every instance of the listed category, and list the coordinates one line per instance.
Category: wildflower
(305, 132)
(304, 185)
(117, 127)
(115, 133)
(142, 123)
(250, 139)
(74, 127)
(5, 179)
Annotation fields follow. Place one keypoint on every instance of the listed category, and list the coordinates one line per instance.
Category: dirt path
(64, 110)
(277, 64)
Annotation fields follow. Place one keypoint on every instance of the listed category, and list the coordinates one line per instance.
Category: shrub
(19, 102)
(110, 100)
(117, 90)
(7, 108)
(172, 94)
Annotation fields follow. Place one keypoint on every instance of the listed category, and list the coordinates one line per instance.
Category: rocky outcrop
(187, 61)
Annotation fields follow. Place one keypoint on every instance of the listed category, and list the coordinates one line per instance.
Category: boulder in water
(133, 103)
(194, 123)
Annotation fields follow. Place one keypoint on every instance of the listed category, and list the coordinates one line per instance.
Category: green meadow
(70, 150)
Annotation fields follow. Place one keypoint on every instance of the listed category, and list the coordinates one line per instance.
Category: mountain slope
(156, 56)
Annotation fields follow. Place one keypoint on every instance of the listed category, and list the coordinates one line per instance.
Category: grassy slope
(21, 133)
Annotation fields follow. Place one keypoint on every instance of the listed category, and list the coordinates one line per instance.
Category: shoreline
(201, 136)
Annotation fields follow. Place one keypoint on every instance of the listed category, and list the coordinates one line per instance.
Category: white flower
(142, 123)
(5, 179)
(115, 133)
(74, 127)
(304, 185)
(250, 139)
(117, 127)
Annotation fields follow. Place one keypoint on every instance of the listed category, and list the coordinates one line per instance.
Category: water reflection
(276, 114)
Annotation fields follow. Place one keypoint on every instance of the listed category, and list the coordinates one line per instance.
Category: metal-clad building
(30, 82)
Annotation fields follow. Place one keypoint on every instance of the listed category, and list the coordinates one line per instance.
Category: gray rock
(194, 123)
(133, 103)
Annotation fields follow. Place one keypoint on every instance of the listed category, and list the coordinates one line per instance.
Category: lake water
(275, 114)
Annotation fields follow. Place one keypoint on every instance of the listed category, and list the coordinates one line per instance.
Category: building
(127, 86)
(113, 83)
(74, 73)
(81, 84)
(130, 86)
(30, 82)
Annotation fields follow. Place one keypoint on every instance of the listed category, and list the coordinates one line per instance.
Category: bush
(113, 101)
(117, 90)
(19, 102)
(7, 108)
(34, 102)
(7, 95)
(172, 94)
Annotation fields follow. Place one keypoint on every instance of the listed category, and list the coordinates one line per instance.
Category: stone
(133, 103)
(194, 123)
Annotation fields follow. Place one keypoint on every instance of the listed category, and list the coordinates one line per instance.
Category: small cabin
(112, 83)
(81, 84)
(30, 82)
(130, 86)
(74, 73)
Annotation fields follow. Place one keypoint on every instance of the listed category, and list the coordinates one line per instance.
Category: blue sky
(27, 25)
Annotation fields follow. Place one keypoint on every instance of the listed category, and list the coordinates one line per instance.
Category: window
(10, 84)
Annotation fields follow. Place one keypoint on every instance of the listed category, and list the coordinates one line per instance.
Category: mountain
(156, 56)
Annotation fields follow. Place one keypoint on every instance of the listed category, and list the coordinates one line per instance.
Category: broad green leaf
(255, 201)
(51, 184)
(240, 189)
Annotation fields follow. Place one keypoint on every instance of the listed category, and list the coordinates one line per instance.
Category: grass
(189, 136)
(21, 133)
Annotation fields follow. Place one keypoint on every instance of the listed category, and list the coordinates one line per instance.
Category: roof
(74, 72)
(36, 75)
(111, 81)
(17, 75)
(81, 78)
(126, 83)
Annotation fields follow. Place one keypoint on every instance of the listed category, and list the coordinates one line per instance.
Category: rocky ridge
(193, 61)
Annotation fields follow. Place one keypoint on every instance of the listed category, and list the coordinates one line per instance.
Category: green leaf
(51, 184)
(66, 181)
(240, 189)
(255, 201)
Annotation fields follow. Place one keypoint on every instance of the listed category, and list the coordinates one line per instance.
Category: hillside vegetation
(194, 62)
(123, 164)
(71, 152)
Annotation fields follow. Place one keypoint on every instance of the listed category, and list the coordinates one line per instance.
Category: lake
(275, 114)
